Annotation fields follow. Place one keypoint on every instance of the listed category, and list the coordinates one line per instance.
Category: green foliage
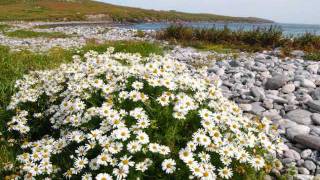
(313, 56)
(249, 40)
(140, 34)
(13, 65)
(33, 34)
(4, 27)
(144, 48)
(122, 92)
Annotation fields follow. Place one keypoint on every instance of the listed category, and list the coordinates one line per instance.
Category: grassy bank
(57, 10)
(13, 65)
(248, 40)
(4, 27)
(21, 33)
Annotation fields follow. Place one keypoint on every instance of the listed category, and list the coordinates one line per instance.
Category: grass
(253, 40)
(13, 65)
(57, 10)
(4, 27)
(22, 33)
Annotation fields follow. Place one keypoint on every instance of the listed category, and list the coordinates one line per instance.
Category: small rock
(300, 116)
(307, 83)
(313, 68)
(306, 153)
(287, 161)
(234, 63)
(316, 94)
(292, 154)
(246, 107)
(277, 99)
(316, 118)
(258, 93)
(288, 88)
(297, 53)
(276, 82)
(285, 123)
(303, 170)
(315, 105)
(310, 141)
(294, 131)
(268, 103)
(303, 177)
(309, 165)
(257, 108)
(271, 114)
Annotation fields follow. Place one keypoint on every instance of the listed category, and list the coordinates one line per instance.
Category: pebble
(303, 170)
(245, 107)
(300, 116)
(315, 105)
(309, 165)
(310, 141)
(288, 88)
(315, 118)
(276, 82)
(306, 153)
(307, 83)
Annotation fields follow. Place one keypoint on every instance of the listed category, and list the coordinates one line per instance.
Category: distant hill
(77, 10)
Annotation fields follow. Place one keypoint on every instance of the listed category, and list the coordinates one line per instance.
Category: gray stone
(303, 177)
(315, 130)
(271, 114)
(309, 165)
(300, 116)
(308, 83)
(316, 94)
(277, 99)
(294, 131)
(303, 170)
(245, 107)
(268, 103)
(316, 118)
(292, 154)
(288, 88)
(306, 153)
(300, 162)
(297, 53)
(313, 68)
(258, 93)
(276, 82)
(285, 123)
(234, 63)
(310, 141)
(257, 108)
(314, 105)
(287, 160)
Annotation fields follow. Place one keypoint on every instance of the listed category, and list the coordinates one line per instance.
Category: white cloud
(287, 11)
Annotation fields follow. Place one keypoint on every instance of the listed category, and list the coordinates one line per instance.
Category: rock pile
(284, 90)
(79, 36)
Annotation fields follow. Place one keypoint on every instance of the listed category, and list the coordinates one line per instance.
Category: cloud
(286, 11)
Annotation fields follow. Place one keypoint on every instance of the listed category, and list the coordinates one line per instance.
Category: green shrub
(128, 116)
(33, 34)
(256, 39)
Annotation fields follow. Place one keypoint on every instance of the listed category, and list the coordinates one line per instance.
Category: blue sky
(285, 11)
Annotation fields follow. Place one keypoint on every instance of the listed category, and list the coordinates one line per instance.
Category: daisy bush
(124, 116)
